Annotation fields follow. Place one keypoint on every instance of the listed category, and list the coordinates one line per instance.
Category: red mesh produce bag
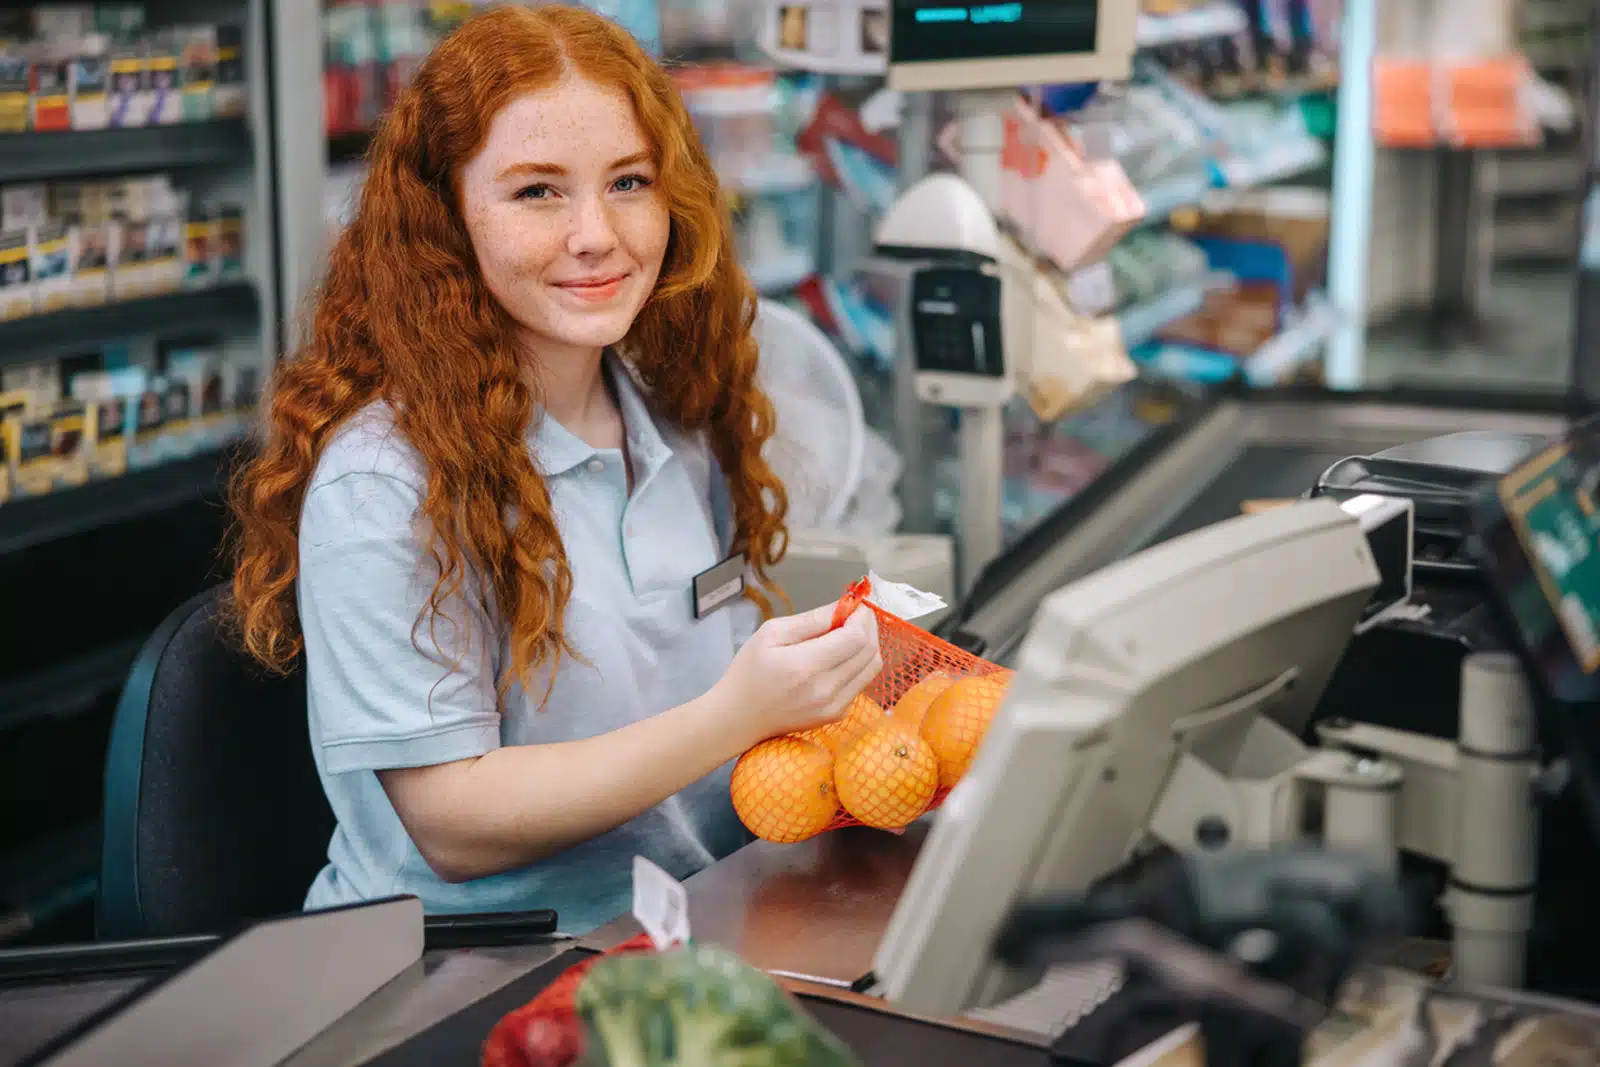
(548, 1031)
(895, 754)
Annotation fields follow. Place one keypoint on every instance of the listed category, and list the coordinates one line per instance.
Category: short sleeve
(387, 689)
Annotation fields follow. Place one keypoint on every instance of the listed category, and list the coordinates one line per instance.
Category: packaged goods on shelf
(1285, 46)
(194, 398)
(92, 67)
(16, 288)
(89, 243)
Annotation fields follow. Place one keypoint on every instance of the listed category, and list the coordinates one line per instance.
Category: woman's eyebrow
(522, 170)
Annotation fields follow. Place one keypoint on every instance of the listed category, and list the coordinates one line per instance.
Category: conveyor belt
(1262, 472)
(1196, 472)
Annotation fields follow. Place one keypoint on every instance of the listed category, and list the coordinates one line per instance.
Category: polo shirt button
(597, 466)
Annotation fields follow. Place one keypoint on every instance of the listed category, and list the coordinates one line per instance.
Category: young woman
(526, 418)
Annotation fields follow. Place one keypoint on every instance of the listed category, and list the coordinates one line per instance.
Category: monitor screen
(1002, 44)
(940, 29)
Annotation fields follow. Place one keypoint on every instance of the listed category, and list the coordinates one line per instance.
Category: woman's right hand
(795, 673)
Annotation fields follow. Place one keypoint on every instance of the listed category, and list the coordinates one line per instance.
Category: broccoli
(696, 1006)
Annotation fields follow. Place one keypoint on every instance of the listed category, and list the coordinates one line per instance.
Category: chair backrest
(213, 811)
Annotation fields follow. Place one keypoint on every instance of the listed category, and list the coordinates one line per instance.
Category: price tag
(902, 600)
(1092, 289)
(660, 904)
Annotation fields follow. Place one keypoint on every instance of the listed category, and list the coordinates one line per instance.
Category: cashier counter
(889, 939)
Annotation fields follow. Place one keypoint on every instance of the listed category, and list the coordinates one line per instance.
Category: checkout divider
(811, 913)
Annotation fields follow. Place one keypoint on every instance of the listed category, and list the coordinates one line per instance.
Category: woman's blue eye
(638, 181)
(533, 192)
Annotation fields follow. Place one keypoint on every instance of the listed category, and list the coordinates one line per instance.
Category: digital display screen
(1537, 536)
(928, 30)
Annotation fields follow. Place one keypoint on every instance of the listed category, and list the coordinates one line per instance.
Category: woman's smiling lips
(594, 290)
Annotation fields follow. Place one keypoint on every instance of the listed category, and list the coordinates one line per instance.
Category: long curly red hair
(404, 317)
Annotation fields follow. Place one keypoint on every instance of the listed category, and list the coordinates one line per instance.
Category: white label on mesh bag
(902, 600)
(661, 904)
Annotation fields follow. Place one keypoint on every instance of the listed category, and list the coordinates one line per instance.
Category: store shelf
(1296, 344)
(35, 521)
(66, 688)
(1220, 19)
(1142, 322)
(28, 157)
(773, 176)
(1285, 159)
(780, 273)
(69, 332)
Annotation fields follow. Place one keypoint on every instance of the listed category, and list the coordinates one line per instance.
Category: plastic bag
(547, 1031)
(900, 747)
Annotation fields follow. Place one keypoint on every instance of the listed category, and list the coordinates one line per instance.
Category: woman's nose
(592, 230)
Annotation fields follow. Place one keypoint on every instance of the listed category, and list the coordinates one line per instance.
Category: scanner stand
(1253, 946)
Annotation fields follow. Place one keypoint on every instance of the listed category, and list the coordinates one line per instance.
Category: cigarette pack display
(52, 90)
(91, 83)
(22, 206)
(128, 103)
(33, 463)
(91, 250)
(187, 370)
(39, 384)
(145, 449)
(15, 76)
(130, 271)
(12, 405)
(165, 266)
(228, 93)
(198, 70)
(216, 418)
(120, 22)
(16, 288)
(58, 22)
(177, 412)
(166, 88)
(229, 247)
(70, 441)
(246, 396)
(200, 236)
(49, 258)
(109, 398)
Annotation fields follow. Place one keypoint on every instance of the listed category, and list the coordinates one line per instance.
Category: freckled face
(565, 217)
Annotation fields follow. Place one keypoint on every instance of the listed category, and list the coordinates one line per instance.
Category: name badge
(718, 586)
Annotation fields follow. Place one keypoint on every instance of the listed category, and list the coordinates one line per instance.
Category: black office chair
(213, 811)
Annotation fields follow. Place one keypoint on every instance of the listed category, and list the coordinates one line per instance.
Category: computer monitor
(951, 45)
(1180, 647)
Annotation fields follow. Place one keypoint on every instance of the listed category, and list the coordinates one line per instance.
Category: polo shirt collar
(559, 450)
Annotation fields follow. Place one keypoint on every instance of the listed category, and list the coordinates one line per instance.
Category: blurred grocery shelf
(35, 156)
(36, 338)
(31, 521)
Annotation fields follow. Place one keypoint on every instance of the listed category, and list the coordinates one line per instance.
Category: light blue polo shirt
(382, 694)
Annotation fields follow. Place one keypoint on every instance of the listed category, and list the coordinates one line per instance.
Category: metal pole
(1496, 855)
(910, 415)
(1583, 373)
(1351, 236)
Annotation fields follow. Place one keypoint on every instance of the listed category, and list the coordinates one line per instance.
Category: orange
(783, 790)
(861, 713)
(957, 720)
(911, 707)
(887, 776)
